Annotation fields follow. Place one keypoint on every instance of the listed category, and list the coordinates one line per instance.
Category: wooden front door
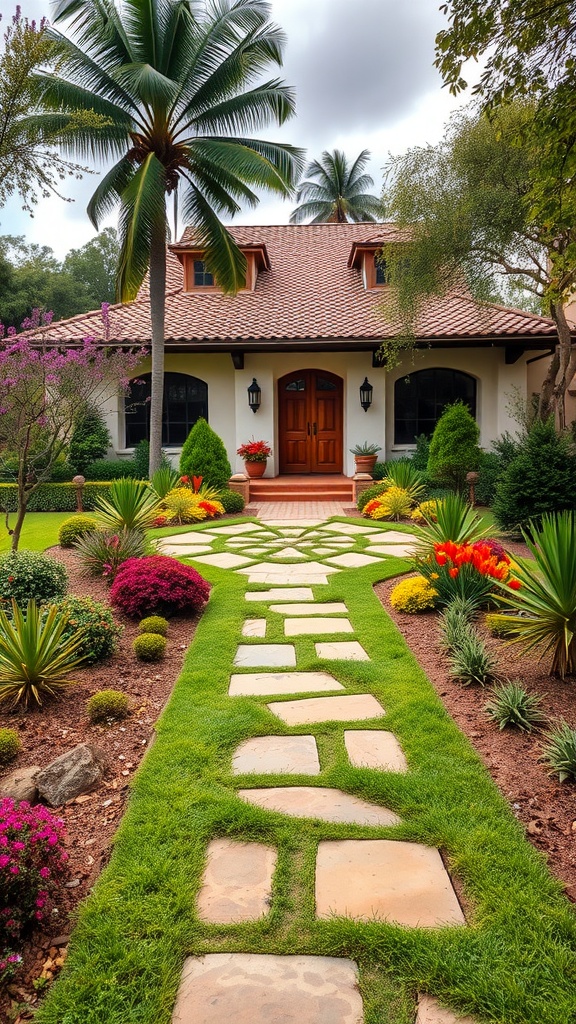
(310, 422)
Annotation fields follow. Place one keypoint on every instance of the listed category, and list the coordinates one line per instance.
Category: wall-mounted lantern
(366, 392)
(254, 395)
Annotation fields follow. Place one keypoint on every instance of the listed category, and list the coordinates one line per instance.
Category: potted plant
(255, 455)
(365, 456)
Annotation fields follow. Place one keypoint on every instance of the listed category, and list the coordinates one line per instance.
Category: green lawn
(514, 962)
(40, 530)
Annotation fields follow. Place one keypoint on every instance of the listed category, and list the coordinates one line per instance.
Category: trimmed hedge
(54, 497)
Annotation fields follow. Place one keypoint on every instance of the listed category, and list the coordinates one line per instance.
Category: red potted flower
(255, 455)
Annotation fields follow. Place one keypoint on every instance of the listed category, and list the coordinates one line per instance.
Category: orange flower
(453, 572)
(514, 584)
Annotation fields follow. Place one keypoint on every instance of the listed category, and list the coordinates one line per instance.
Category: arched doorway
(310, 422)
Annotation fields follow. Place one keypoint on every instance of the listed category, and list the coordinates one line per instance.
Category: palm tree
(338, 191)
(179, 84)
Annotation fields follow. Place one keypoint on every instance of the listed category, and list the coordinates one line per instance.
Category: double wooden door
(310, 422)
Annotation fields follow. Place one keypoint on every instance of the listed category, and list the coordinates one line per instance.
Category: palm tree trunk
(157, 320)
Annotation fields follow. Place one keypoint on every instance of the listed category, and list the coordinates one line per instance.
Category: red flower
(184, 479)
(196, 482)
(453, 572)
(441, 558)
(514, 584)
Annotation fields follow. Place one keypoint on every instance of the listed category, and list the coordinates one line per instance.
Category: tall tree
(336, 191)
(180, 87)
(468, 208)
(94, 266)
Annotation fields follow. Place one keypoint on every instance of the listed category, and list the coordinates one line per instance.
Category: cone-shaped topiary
(204, 454)
(454, 449)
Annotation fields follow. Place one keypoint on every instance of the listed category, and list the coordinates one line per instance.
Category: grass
(514, 962)
(40, 531)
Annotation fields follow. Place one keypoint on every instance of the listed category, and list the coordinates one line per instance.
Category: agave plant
(454, 519)
(102, 552)
(401, 473)
(163, 480)
(543, 607)
(35, 660)
(131, 505)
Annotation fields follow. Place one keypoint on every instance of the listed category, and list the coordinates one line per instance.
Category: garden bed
(91, 819)
(546, 808)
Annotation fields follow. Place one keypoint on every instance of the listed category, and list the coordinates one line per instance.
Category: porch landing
(323, 487)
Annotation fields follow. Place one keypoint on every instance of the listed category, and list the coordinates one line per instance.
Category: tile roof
(309, 293)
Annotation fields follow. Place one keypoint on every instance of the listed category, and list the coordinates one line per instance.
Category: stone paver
(350, 708)
(374, 748)
(238, 528)
(277, 755)
(349, 529)
(320, 802)
(184, 550)
(292, 531)
(382, 879)
(430, 1012)
(308, 627)
(192, 537)
(282, 576)
(237, 882)
(254, 627)
(327, 608)
(253, 988)
(291, 572)
(352, 559)
(346, 650)
(224, 560)
(391, 537)
(265, 655)
(263, 684)
(281, 594)
(395, 550)
(289, 553)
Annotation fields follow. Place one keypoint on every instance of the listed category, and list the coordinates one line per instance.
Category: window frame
(171, 377)
(424, 423)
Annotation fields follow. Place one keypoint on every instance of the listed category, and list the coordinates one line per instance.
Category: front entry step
(323, 487)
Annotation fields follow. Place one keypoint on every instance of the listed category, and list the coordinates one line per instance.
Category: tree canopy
(336, 191)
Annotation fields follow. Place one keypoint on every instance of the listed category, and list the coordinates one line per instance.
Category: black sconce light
(366, 392)
(254, 395)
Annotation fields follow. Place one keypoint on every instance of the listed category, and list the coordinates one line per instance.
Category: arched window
(185, 400)
(421, 397)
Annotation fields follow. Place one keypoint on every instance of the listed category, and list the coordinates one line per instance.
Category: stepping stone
(430, 1012)
(327, 608)
(394, 550)
(255, 988)
(291, 571)
(392, 536)
(314, 579)
(352, 560)
(280, 594)
(292, 531)
(277, 755)
(303, 627)
(349, 650)
(184, 550)
(352, 707)
(224, 560)
(192, 537)
(319, 552)
(238, 528)
(290, 553)
(254, 627)
(237, 882)
(380, 879)
(349, 529)
(263, 684)
(320, 802)
(374, 748)
(273, 655)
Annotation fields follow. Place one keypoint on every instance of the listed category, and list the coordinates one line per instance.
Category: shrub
(541, 479)
(421, 453)
(10, 745)
(141, 459)
(92, 624)
(183, 505)
(401, 473)
(149, 646)
(494, 624)
(111, 469)
(164, 480)
(154, 624)
(466, 570)
(29, 574)
(454, 449)
(231, 501)
(511, 705)
(158, 584)
(61, 471)
(102, 552)
(371, 492)
(35, 661)
(413, 595)
(379, 471)
(90, 440)
(74, 528)
(426, 511)
(455, 622)
(393, 504)
(107, 704)
(130, 505)
(32, 864)
(204, 454)
(52, 497)
(471, 661)
(560, 751)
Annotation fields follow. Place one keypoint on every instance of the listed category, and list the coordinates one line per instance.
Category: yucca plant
(471, 661)
(455, 622)
(543, 609)
(163, 480)
(512, 705)
(35, 660)
(131, 505)
(560, 751)
(454, 519)
(401, 473)
(102, 552)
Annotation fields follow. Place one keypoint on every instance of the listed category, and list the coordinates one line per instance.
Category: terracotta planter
(254, 469)
(365, 463)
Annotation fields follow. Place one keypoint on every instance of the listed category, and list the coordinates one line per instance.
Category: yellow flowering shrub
(426, 510)
(413, 595)
(181, 506)
(393, 504)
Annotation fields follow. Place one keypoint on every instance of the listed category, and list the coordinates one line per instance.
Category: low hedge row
(53, 497)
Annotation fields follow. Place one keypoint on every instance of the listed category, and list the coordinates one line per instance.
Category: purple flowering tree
(44, 393)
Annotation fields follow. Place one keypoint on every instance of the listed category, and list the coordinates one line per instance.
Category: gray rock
(77, 771)
(21, 784)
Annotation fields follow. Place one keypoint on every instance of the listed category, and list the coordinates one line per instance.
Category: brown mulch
(91, 819)
(546, 807)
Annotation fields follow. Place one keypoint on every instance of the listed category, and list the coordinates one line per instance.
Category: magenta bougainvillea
(157, 584)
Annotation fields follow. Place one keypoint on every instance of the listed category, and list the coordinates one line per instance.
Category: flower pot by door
(365, 463)
(255, 469)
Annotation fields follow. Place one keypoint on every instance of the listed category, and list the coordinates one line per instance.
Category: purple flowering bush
(32, 861)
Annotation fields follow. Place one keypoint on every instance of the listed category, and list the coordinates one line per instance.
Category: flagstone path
(364, 879)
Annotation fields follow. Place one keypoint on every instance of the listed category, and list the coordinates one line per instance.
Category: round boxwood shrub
(154, 624)
(10, 745)
(371, 492)
(74, 528)
(413, 595)
(158, 584)
(149, 646)
(231, 500)
(93, 624)
(28, 574)
(107, 704)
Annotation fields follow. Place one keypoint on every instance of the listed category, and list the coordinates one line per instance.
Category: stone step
(307, 627)
(374, 748)
(264, 684)
(350, 708)
(319, 802)
(237, 882)
(264, 655)
(277, 755)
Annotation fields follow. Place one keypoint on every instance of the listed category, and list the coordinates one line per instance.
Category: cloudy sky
(364, 79)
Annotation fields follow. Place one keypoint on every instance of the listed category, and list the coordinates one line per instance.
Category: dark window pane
(323, 384)
(296, 385)
(185, 400)
(202, 278)
(420, 399)
(380, 265)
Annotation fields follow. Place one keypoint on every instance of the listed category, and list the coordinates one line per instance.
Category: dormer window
(381, 275)
(202, 277)
(197, 277)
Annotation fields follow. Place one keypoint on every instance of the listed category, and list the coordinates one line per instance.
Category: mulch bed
(91, 819)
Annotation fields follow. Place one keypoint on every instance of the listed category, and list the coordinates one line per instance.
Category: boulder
(21, 784)
(77, 771)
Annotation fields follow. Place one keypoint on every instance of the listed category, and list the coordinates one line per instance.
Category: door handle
(308, 429)
(315, 429)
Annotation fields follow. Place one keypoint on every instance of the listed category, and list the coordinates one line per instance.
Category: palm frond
(223, 257)
(316, 209)
(143, 205)
(109, 191)
(246, 161)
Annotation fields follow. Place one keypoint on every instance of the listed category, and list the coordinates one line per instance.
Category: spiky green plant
(512, 705)
(102, 552)
(471, 661)
(163, 480)
(35, 660)
(455, 622)
(454, 519)
(130, 505)
(543, 609)
(401, 473)
(560, 751)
